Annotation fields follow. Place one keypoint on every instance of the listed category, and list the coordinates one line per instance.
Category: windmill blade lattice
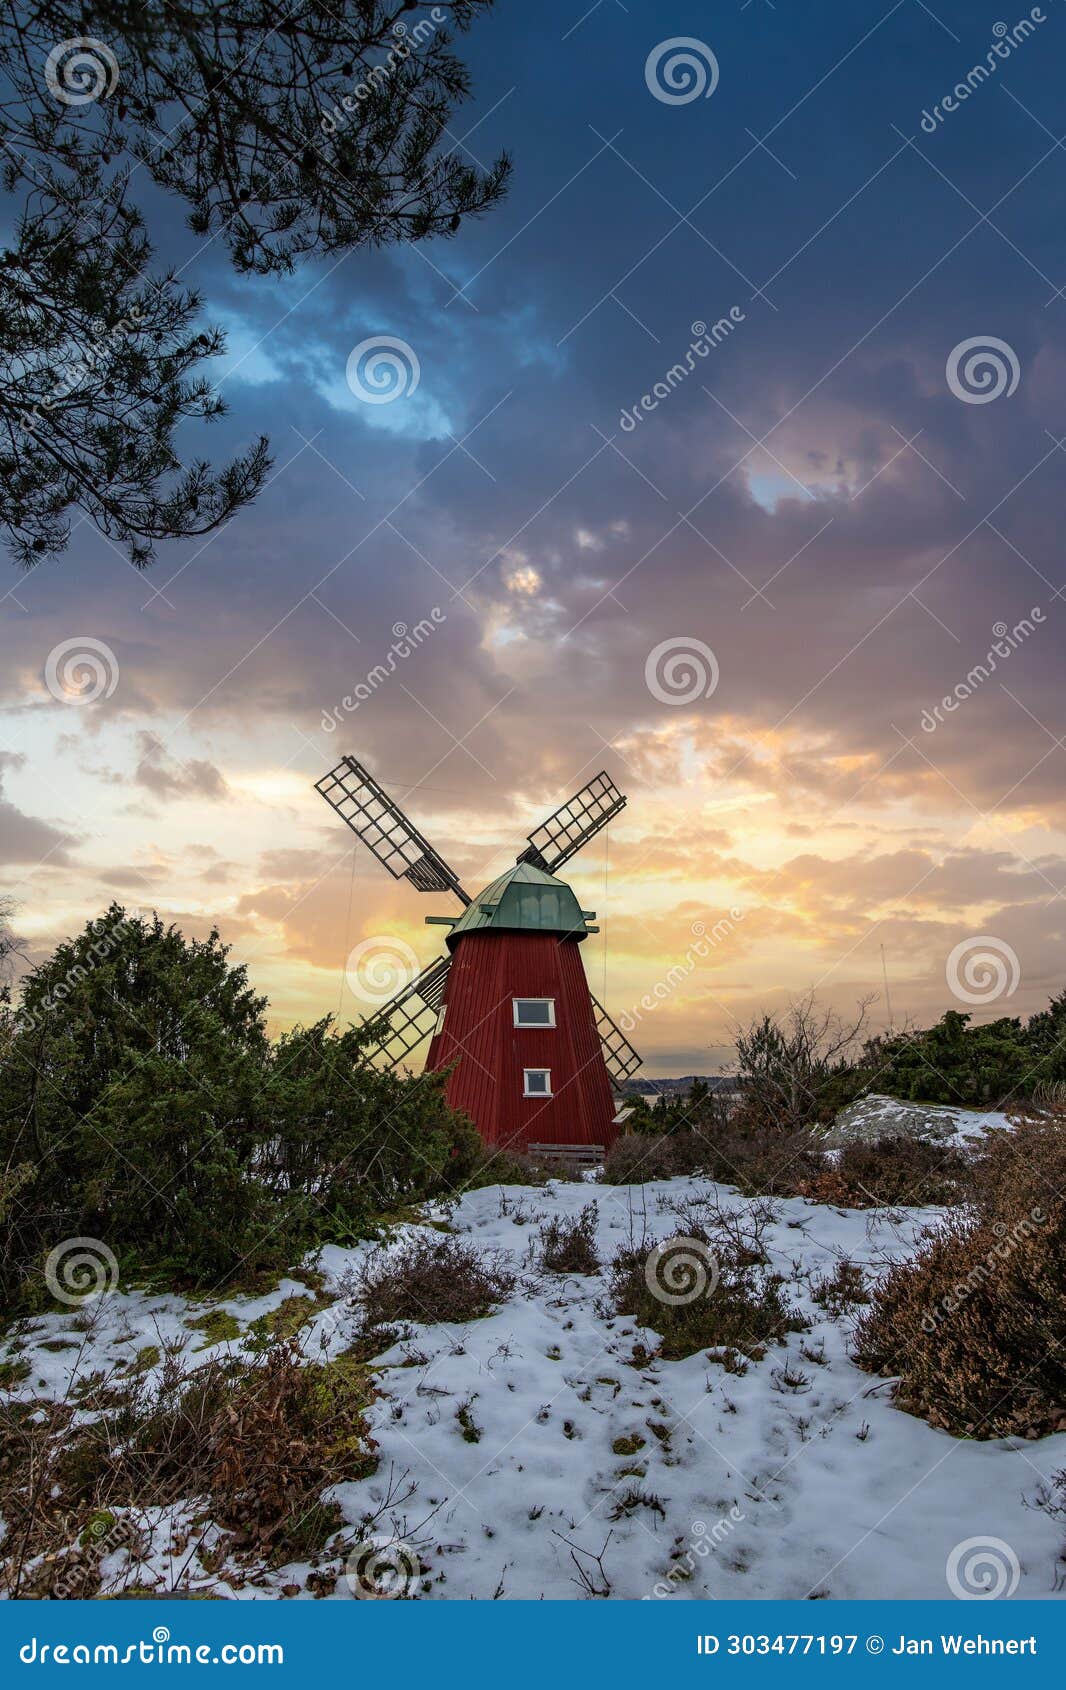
(400, 1025)
(384, 829)
(620, 1058)
(573, 824)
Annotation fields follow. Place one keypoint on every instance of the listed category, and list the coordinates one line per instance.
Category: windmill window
(534, 1012)
(440, 1021)
(538, 1082)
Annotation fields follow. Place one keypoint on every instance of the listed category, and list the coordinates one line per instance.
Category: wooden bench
(570, 1155)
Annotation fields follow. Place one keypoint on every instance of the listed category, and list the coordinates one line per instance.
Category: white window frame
(534, 1024)
(526, 1072)
(439, 1027)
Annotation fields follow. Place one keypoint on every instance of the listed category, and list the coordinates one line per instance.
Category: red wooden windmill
(535, 1054)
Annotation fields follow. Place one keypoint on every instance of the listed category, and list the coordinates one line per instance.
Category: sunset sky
(827, 523)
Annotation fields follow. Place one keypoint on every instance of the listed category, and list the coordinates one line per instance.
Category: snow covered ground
(534, 1454)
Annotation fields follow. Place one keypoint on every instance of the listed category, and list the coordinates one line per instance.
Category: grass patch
(632, 1498)
(506, 1167)
(291, 1314)
(217, 1326)
(628, 1446)
(146, 1358)
(467, 1425)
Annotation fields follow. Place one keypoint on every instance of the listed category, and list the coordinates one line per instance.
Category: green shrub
(740, 1308)
(505, 1167)
(955, 1062)
(430, 1279)
(142, 1105)
(133, 1083)
(569, 1246)
(354, 1141)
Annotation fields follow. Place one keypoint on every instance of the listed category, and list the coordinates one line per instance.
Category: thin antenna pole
(347, 936)
(884, 976)
(606, 871)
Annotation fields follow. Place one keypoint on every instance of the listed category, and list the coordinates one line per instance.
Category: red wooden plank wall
(488, 970)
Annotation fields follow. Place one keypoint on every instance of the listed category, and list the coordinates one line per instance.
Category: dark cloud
(135, 878)
(28, 840)
(168, 778)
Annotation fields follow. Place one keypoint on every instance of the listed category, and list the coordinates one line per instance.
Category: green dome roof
(524, 899)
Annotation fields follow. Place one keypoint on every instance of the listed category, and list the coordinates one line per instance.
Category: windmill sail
(384, 829)
(573, 824)
(620, 1058)
(399, 1026)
